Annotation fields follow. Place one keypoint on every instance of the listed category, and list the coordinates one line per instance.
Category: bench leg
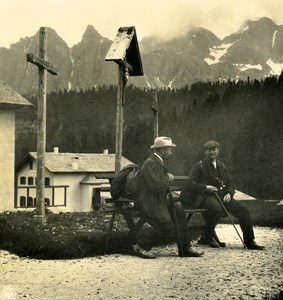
(109, 230)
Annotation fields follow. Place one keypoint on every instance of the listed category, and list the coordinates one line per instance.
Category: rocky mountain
(256, 50)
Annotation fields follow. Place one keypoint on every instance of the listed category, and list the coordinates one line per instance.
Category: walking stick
(227, 213)
(176, 224)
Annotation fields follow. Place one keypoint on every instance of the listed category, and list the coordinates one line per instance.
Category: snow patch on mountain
(244, 67)
(147, 82)
(217, 52)
(276, 68)
(72, 71)
(171, 82)
(273, 37)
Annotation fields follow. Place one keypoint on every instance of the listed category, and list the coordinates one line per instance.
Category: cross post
(43, 68)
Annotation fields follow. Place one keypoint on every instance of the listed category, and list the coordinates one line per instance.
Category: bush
(65, 235)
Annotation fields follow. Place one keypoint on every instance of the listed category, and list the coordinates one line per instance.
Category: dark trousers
(164, 232)
(215, 212)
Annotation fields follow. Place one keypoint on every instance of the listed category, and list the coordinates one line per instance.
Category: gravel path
(230, 273)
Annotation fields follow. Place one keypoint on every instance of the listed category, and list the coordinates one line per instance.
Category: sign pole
(120, 117)
(156, 114)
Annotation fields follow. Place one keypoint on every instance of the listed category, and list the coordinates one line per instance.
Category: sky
(161, 18)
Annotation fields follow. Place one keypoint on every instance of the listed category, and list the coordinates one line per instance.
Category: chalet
(9, 102)
(74, 182)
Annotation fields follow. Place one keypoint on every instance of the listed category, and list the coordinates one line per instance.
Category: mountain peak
(90, 31)
(259, 23)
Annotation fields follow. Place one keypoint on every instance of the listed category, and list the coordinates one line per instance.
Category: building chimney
(75, 163)
(56, 150)
(105, 151)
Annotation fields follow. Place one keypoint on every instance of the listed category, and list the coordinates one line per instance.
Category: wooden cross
(155, 110)
(43, 67)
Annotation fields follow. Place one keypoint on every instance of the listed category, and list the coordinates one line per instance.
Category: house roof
(86, 162)
(242, 196)
(91, 179)
(10, 98)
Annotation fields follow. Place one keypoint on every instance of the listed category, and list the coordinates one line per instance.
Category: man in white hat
(154, 186)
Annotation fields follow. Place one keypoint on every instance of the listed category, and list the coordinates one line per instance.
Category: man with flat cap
(210, 176)
(154, 187)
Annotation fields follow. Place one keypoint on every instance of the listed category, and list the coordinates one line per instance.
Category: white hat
(162, 141)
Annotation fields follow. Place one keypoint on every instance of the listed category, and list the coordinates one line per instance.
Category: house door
(96, 197)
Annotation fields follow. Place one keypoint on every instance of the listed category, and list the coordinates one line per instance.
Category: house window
(30, 181)
(47, 201)
(23, 180)
(31, 165)
(30, 202)
(22, 201)
(47, 181)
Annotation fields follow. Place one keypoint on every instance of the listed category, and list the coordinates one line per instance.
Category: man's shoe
(139, 251)
(221, 244)
(254, 246)
(190, 253)
(208, 241)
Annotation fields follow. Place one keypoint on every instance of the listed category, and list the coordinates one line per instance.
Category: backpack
(125, 183)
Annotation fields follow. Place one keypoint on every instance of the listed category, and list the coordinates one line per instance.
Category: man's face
(166, 152)
(211, 153)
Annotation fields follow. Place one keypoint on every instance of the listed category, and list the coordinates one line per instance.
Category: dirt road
(228, 273)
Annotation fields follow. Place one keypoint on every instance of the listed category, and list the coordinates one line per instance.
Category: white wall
(27, 172)
(7, 159)
(74, 197)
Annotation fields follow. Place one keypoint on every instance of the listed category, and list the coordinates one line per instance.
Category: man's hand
(211, 188)
(170, 177)
(227, 198)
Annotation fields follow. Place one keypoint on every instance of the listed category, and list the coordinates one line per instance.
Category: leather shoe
(254, 246)
(139, 251)
(208, 241)
(190, 253)
(221, 244)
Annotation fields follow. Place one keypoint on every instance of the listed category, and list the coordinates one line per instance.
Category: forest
(245, 117)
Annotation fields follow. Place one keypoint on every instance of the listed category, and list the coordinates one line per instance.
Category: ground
(225, 273)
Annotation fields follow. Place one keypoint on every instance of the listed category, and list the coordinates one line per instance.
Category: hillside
(246, 117)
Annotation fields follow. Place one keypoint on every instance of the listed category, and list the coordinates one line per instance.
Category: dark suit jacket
(201, 175)
(153, 188)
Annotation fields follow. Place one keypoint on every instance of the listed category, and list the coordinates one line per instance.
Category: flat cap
(211, 145)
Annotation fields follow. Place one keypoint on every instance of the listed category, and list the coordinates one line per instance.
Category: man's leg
(211, 217)
(243, 215)
(185, 248)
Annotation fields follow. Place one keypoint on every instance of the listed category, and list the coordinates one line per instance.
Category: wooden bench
(126, 208)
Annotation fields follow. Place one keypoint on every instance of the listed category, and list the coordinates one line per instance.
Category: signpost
(43, 68)
(125, 52)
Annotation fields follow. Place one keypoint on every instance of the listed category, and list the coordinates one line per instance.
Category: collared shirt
(158, 156)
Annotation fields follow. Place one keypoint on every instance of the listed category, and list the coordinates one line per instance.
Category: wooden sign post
(43, 67)
(155, 110)
(125, 52)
